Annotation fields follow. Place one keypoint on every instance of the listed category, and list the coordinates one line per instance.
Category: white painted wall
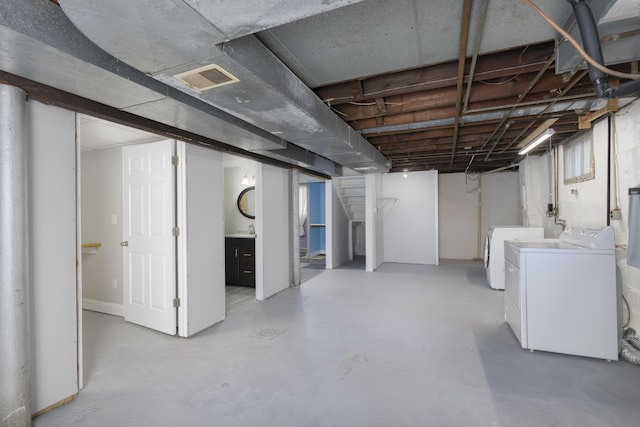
(534, 198)
(627, 124)
(54, 316)
(588, 208)
(458, 217)
(410, 210)
(272, 231)
(338, 224)
(235, 222)
(201, 216)
(101, 186)
(374, 222)
(500, 200)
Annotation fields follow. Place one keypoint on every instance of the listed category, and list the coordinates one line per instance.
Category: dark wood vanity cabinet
(240, 264)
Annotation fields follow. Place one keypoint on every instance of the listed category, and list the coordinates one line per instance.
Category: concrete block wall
(589, 206)
(627, 174)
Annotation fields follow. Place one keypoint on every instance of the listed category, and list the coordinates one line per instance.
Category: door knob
(125, 243)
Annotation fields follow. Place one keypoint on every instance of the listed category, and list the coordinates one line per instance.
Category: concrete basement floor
(406, 346)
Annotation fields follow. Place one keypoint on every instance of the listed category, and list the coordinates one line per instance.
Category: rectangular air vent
(207, 77)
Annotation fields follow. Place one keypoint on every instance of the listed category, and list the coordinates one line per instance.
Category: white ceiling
(379, 36)
(97, 134)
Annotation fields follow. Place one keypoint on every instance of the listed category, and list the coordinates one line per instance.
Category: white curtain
(304, 207)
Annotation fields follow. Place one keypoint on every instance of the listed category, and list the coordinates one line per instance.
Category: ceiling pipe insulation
(591, 42)
(166, 39)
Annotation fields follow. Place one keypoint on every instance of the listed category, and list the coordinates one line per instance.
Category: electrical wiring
(370, 104)
(579, 48)
(484, 82)
(335, 110)
(362, 104)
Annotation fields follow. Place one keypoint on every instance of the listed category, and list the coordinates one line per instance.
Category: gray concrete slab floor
(408, 345)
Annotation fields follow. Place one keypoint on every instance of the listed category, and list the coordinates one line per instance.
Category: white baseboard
(103, 307)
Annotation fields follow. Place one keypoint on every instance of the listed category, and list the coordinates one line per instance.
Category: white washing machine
(494, 249)
(561, 295)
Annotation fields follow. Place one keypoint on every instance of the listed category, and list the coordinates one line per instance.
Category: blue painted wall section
(317, 243)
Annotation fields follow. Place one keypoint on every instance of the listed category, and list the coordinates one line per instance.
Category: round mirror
(246, 202)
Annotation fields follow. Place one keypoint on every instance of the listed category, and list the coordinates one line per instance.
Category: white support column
(15, 366)
(294, 213)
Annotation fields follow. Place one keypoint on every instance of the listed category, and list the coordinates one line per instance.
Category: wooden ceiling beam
(564, 91)
(485, 126)
(473, 140)
(464, 38)
(491, 66)
(397, 119)
(482, 97)
(467, 128)
(482, 129)
(442, 163)
(434, 98)
(443, 158)
(432, 146)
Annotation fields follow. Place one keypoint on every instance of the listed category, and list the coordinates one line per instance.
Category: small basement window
(578, 159)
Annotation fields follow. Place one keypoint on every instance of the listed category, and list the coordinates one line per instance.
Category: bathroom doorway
(239, 230)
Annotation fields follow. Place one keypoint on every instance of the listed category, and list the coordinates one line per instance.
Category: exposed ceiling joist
(464, 38)
(401, 81)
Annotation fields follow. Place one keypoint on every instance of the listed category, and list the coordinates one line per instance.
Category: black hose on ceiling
(591, 42)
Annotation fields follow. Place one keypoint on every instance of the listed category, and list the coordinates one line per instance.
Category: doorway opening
(138, 191)
(358, 246)
(351, 191)
(312, 230)
(239, 230)
(101, 287)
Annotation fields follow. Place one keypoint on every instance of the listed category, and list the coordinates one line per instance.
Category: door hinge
(175, 231)
(176, 302)
(174, 160)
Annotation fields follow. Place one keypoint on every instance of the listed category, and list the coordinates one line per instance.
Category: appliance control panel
(592, 238)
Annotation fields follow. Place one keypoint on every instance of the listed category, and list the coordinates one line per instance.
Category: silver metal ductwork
(618, 22)
(34, 29)
(208, 51)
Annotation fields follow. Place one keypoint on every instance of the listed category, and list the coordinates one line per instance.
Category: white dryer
(494, 249)
(561, 295)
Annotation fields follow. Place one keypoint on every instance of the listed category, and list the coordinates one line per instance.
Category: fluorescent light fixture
(536, 133)
(546, 135)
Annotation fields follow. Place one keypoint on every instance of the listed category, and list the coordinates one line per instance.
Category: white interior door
(273, 262)
(201, 283)
(148, 221)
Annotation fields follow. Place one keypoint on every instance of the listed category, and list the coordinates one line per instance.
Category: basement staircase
(352, 195)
